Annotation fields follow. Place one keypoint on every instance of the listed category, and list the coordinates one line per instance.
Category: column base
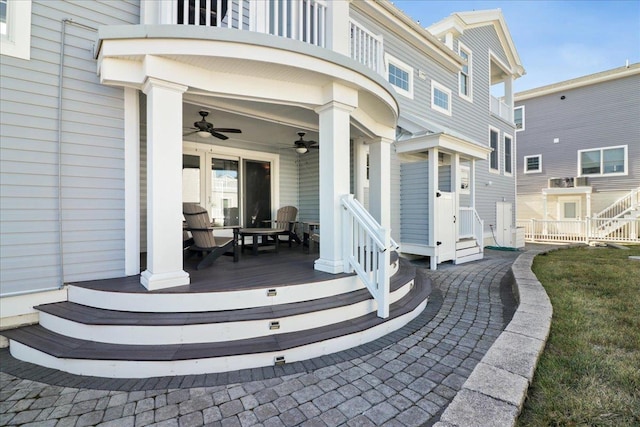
(155, 281)
(329, 266)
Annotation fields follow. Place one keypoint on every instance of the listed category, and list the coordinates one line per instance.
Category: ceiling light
(301, 150)
(204, 134)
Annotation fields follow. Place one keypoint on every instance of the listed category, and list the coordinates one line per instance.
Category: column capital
(152, 82)
(334, 105)
(379, 139)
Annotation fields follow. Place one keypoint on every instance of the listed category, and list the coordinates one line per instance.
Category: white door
(504, 215)
(446, 227)
(569, 214)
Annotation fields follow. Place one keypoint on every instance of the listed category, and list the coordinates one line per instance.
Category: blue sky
(556, 40)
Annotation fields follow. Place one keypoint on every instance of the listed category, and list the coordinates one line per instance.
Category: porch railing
(583, 231)
(470, 225)
(303, 20)
(366, 47)
(367, 247)
(500, 108)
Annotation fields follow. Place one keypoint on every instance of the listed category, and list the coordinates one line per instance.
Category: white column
(131, 182)
(334, 123)
(508, 96)
(455, 189)
(164, 186)
(338, 27)
(380, 181)
(433, 212)
(360, 162)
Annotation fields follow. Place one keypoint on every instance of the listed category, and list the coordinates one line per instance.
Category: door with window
(236, 191)
(569, 209)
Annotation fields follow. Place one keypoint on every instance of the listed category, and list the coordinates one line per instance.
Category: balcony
(501, 109)
(303, 20)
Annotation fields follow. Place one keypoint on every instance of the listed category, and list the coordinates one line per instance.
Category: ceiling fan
(205, 129)
(303, 146)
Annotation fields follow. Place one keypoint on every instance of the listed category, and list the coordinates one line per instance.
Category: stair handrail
(621, 206)
(478, 229)
(367, 247)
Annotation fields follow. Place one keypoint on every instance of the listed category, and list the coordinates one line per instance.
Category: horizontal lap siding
(414, 203)
(595, 116)
(92, 155)
(309, 179)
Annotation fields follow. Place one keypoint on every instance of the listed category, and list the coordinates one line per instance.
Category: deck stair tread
(98, 316)
(62, 346)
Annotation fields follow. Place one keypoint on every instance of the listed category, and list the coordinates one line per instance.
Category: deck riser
(212, 332)
(144, 369)
(210, 301)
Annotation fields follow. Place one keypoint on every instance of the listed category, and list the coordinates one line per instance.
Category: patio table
(260, 237)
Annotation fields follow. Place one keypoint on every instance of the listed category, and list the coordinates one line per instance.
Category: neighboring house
(99, 152)
(578, 157)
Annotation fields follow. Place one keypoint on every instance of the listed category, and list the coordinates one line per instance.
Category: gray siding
(414, 204)
(595, 116)
(92, 154)
(309, 186)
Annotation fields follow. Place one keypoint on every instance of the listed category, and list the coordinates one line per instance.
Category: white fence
(500, 108)
(584, 231)
(366, 47)
(470, 224)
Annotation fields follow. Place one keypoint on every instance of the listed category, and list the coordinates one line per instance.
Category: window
(465, 175)
(603, 161)
(494, 156)
(533, 164)
(15, 28)
(508, 147)
(400, 75)
(518, 117)
(465, 73)
(440, 98)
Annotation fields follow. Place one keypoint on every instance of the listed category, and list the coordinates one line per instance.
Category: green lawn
(589, 373)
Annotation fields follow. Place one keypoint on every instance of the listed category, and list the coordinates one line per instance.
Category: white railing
(500, 108)
(304, 20)
(583, 231)
(367, 250)
(621, 206)
(470, 225)
(366, 47)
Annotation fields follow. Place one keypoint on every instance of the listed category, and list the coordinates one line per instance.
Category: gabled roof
(458, 22)
(591, 79)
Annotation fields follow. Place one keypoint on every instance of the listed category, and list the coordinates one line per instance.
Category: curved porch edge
(495, 392)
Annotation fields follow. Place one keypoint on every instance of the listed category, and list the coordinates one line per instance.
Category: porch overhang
(444, 141)
(566, 191)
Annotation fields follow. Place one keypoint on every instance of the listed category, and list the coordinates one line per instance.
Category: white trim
(504, 152)
(435, 85)
(520, 107)
(469, 96)
(602, 173)
(497, 150)
(17, 41)
(132, 182)
(524, 166)
(389, 59)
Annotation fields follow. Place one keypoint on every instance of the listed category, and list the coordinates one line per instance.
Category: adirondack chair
(286, 220)
(204, 242)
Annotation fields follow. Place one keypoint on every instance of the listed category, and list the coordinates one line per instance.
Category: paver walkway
(406, 378)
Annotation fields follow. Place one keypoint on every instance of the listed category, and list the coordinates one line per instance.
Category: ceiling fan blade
(228, 130)
(218, 135)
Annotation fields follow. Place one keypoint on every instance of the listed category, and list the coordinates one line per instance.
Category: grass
(589, 373)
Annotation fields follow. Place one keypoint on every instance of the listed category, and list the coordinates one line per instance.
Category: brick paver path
(404, 379)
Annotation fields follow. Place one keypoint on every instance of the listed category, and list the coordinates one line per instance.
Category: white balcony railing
(366, 252)
(366, 47)
(583, 230)
(501, 109)
(304, 20)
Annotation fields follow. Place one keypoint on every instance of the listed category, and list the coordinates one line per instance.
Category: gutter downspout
(63, 33)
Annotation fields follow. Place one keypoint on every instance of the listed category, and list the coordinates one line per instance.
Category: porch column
(131, 182)
(433, 211)
(164, 186)
(380, 181)
(455, 189)
(334, 121)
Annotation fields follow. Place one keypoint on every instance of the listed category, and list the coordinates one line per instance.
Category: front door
(504, 215)
(569, 215)
(446, 227)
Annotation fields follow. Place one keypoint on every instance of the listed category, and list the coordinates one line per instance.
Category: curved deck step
(38, 345)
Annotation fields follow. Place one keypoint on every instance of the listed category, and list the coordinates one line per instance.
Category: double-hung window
(495, 155)
(440, 98)
(508, 150)
(464, 88)
(15, 28)
(603, 161)
(400, 75)
(518, 117)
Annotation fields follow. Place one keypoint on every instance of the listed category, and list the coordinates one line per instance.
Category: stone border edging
(495, 391)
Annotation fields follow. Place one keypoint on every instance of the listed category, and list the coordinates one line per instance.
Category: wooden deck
(290, 266)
